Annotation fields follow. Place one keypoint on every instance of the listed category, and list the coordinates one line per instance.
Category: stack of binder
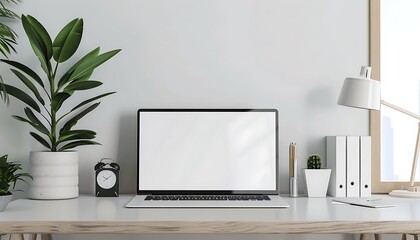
(349, 158)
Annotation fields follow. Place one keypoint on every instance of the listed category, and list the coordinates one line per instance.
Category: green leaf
(7, 45)
(19, 118)
(41, 140)
(27, 121)
(3, 92)
(71, 122)
(25, 69)
(91, 64)
(58, 100)
(85, 85)
(29, 84)
(84, 103)
(40, 41)
(3, 161)
(7, 37)
(88, 57)
(68, 40)
(36, 122)
(22, 96)
(91, 100)
(7, 13)
(4, 50)
(42, 35)
(76, 144)
(76, 135)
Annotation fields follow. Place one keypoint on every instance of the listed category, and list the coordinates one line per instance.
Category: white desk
(88, 214)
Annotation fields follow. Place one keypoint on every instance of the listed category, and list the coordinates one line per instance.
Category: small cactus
(314, 162)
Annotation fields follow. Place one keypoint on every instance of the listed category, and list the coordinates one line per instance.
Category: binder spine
(353, 166)
(336, 161)
(365, 166)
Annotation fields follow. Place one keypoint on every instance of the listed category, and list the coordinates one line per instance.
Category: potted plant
(317, 179)
(55, 171)
(8, 177)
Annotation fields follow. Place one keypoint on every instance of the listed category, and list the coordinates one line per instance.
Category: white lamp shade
(361, 93)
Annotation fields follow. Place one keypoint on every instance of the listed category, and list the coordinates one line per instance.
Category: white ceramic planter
(56, 175)
(317, 182)
(4, 200)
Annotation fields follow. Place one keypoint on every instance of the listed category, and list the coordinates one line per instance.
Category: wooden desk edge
(222, 227)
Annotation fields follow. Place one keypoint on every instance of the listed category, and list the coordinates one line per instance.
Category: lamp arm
(399, 109)
(415, 160)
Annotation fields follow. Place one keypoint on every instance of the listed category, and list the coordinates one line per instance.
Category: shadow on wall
(127, 152)
(320, 98)
(317, 103)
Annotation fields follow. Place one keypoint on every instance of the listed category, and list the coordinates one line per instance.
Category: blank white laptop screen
(207, 150)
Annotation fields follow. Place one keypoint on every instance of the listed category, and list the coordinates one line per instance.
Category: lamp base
(406, 193)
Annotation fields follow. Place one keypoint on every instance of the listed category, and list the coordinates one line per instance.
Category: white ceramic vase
(317, 181)
(4, 200)
(56, 175)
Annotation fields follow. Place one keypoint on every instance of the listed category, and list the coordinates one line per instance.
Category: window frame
(375, 116)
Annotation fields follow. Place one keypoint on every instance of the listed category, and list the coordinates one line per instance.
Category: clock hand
(108, 177)
(105, 178)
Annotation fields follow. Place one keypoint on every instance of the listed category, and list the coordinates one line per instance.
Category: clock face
(106, 179)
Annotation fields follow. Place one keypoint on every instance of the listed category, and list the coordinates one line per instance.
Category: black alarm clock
(107, 178)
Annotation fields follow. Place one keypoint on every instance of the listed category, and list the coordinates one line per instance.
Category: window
(395, 50)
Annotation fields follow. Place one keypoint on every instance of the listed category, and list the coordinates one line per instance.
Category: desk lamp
(363, 92)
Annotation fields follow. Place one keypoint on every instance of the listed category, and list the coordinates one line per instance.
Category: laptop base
(140, 202)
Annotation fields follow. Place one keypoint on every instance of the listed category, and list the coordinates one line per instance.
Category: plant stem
(53, 132)
(53, 112)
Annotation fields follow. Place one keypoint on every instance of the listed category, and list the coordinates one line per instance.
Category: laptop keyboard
(207, 198)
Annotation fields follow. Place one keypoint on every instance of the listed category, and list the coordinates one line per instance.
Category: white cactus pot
(317, 182)
(56, 175)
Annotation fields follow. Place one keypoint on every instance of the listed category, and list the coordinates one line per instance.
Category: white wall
(291, 55)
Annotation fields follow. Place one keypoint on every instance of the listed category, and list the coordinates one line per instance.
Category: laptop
(210, 158)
